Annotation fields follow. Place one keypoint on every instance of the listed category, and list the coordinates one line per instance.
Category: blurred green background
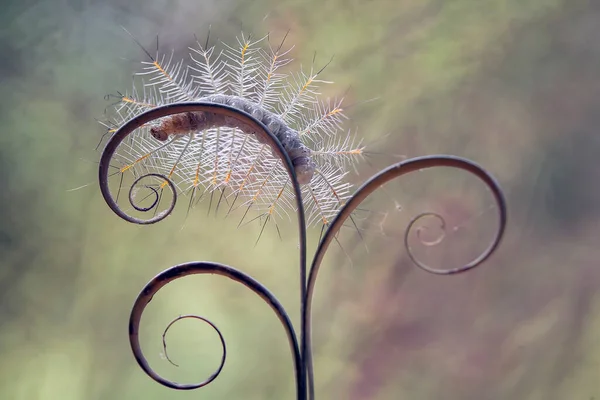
(511, 84)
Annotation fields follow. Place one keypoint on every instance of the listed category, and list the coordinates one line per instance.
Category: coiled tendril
(201, 318)
(393, 172)
(192, 268)
(154, 193)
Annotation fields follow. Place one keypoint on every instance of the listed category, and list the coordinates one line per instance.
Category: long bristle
(243, 172)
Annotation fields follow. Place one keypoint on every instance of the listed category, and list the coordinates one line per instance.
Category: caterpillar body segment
(182, 124)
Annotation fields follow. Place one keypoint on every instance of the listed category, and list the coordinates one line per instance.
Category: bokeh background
(511, 84)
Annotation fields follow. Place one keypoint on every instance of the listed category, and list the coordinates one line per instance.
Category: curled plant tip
(133, 194)
(206, 268)
(164, 335)
(140, 192)
(203, 152)
(420, 229)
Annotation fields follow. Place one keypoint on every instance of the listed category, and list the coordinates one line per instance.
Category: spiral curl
(132, 191)
(260, 131)
(435, 242)
(159, 216)
(192, 268)
(201, 318)
(393, 172)
(420, 229)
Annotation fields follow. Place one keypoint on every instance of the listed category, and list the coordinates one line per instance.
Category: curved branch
(386, 175)
(192, 268)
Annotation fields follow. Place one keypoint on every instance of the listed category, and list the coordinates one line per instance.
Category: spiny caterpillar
(182, 124)
(204, 152)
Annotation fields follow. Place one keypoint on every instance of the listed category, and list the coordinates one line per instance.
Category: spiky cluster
(225, 159)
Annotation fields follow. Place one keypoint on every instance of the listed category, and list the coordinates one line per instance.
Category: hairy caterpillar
(204, 153)
(182, 124)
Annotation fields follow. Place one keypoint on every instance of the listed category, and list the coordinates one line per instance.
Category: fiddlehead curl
(420, 229)
(386, 175)
(201, 318)
(182, 270)
(154, 194)
(442, 224)
(233, 116)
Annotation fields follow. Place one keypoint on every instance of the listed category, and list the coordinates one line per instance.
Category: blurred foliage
(512, 84)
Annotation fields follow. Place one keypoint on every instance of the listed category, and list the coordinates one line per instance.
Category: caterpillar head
(178, 124)
(159, 133)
